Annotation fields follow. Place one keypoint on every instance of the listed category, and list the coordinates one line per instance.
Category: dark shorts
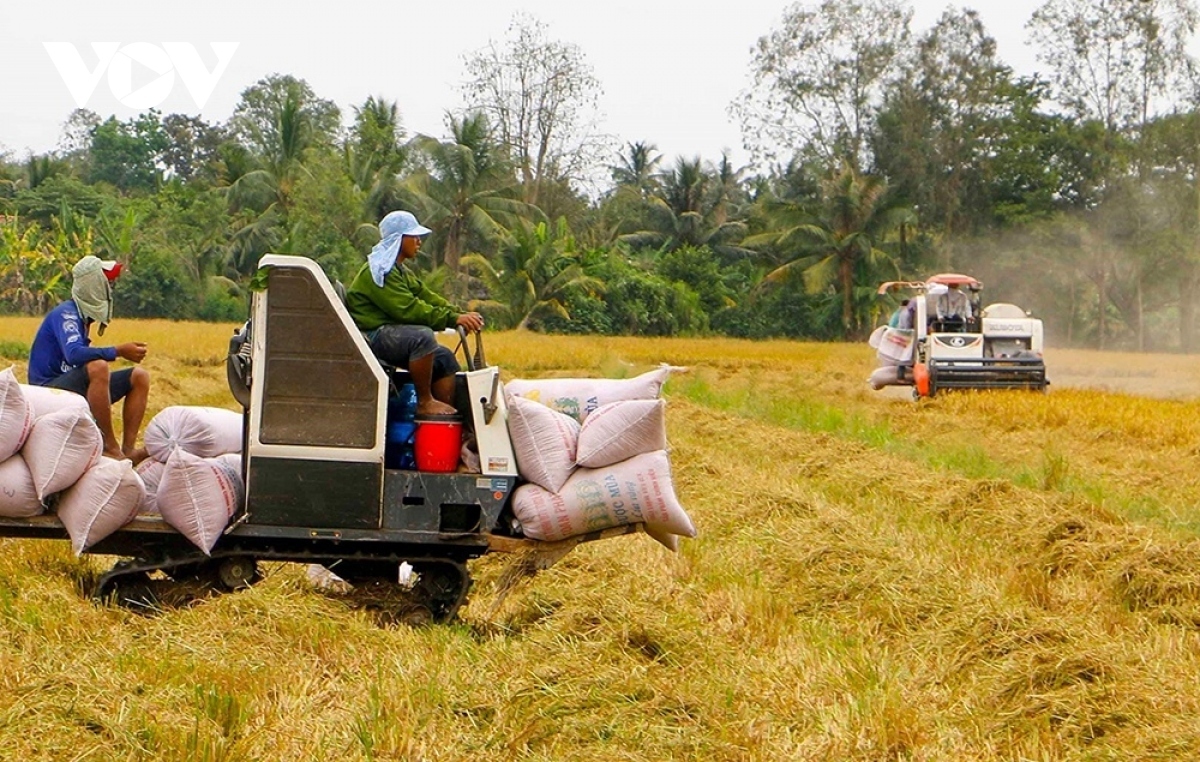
(76, 380)
(400, 345)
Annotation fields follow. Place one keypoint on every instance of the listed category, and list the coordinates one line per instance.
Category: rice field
(982, 576)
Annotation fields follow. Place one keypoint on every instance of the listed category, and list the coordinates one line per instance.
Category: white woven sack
(620, 430)
(664, 538)
(45, 399)
(233, 460)
(150, 471)
(204, 431)
(543, 441)
(888, 375)
(102, 501)
(578, 397)
(18, 498)
(16, 417)
(60, 448)
(198, 496)
(636, 490)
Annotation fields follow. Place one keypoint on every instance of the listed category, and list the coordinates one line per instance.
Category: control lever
(490, 407)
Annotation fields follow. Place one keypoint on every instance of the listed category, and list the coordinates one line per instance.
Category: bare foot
(137, 454)
(435, 407)
(115, 454)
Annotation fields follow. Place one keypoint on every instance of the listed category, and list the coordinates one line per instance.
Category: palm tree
(532, 275)
(637, 169)
(465, 190)
(690, 209)
(374, 155)
(281, 161)
(838, 246)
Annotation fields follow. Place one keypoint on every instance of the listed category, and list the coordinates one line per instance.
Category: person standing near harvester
(398, 314)
(62, 357)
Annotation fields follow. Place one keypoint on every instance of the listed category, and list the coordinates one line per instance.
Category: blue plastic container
(402, 406)
(398, 449)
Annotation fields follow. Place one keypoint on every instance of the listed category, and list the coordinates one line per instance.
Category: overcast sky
(669, 68)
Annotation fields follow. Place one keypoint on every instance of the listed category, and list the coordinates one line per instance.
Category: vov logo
(162, 61)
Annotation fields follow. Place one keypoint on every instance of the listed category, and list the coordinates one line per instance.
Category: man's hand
(134, 351)
(472, 321)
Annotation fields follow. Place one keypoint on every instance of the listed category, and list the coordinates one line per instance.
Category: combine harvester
(996, 347)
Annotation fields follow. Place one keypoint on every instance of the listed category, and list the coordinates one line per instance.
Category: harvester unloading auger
(942, 339)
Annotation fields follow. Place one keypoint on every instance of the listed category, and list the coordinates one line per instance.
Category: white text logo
(158, 63)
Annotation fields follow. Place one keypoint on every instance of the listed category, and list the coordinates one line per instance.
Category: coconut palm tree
(464, 190)
(532, 275)
(690, 209)
(839, 245)
(374, 155)
(638, 169)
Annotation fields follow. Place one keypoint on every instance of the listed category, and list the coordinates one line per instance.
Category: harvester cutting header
(940, 338)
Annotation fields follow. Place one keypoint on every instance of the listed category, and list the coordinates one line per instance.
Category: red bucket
(438, 442)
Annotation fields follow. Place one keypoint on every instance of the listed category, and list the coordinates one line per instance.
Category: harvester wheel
(238, 572)
(133, 591)
(417, 616)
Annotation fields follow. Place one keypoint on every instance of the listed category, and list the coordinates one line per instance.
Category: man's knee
(402, 344)
(140, 378)
(98, 371)
(444, 363)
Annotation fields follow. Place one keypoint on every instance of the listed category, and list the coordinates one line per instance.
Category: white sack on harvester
(60, 448)
(16, 417)
(638, 490)
(620, 430)
(18, 496)
(198, 496)
(203, 431)
(44, 400)
(578, 397)
(543, 442)
(150, 471)
(100, 502)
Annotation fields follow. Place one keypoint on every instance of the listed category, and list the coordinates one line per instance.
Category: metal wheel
(442, 587)
(133, 591)
(238, 572)
(417, 616)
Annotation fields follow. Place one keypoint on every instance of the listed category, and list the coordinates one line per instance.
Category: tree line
(880, 152)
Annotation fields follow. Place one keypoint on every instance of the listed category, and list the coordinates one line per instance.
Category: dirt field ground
(1150, 375)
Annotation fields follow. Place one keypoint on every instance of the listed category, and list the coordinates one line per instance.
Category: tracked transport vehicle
(317, 487)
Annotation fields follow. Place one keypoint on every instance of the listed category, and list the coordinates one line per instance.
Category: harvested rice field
(981, 576)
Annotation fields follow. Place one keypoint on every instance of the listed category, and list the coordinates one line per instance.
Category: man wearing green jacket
(398, 314)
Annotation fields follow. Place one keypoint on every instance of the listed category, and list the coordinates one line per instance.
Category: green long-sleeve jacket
(403, 299)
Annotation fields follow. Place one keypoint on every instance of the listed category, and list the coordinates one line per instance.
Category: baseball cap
(401, 223)
(111, 268)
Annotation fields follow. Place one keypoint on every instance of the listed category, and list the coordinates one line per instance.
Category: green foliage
(14, 350)
(699, 270)
(126, 154)
(782, 311)
(223, 302)
(48, 198)
(533, 276)
(326, 213)
(635, 302)
(35, 265)
(154, 285)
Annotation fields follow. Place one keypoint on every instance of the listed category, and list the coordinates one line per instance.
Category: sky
(669, 69)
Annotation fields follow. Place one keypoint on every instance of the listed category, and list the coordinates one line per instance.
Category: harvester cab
(949, 341)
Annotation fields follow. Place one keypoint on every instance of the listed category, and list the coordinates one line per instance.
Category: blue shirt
(62, 344)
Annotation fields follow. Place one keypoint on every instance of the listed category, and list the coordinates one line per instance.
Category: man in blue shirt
(62, 357)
